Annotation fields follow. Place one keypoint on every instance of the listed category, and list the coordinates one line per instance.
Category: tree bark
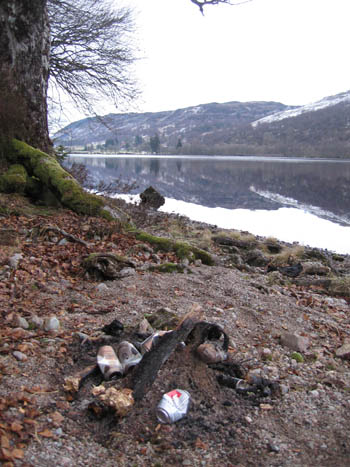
(24, 71)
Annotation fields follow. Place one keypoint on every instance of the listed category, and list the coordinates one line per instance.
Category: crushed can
(108, 362)
(173, 406)
(152, 340)
(128, 355)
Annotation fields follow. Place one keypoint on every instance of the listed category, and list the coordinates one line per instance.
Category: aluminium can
(173, 406)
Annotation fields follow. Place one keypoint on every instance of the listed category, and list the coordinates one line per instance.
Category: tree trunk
(24, 69)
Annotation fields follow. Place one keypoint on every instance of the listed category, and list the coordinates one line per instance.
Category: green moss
(168, 267)
(46, 169)
(14, 180)
(297, 357)
(182, 249)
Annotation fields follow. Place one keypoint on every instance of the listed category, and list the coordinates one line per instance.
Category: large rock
(295, 342)
(150, 198)
(344, 351)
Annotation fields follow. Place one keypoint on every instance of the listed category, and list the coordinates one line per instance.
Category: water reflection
(321, 187)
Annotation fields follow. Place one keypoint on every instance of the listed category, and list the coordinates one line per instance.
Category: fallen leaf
(16, 427)
(46, 433)
(200, 445)
(5, 442)
(17, 454)
(57, 419)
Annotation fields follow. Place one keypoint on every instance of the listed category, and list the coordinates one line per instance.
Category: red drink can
(173, 406)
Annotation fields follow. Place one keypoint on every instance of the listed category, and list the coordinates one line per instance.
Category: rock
(36, 322)
(145, 327)
(102, 288)
(126, 272)
(63, 242)
(266, 354)
(150, 198)
(256, 258)
(20, 356)
(273, 246)
(21, 322)
(295, 342)
(14, 260)
(117, 213)
(343, 351)
(163, 318)
(315, 269)
(51, 324)
(106, 265)
(273, 447)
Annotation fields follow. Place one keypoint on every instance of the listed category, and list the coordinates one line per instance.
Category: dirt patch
(41, 424)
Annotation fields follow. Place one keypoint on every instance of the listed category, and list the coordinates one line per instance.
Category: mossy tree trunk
(24, 71)
(34, 172)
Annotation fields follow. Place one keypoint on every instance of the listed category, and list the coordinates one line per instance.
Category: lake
(295, 200)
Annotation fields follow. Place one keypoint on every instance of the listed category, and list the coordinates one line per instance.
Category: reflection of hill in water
(228, 182)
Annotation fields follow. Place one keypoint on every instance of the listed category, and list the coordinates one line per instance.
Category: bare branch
(91, 52)
(202, 3)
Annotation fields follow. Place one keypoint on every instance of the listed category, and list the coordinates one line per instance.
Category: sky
(290, 51)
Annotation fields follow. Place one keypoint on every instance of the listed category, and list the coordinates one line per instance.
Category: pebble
(14, 260)
(51, 324)
(284, 389)
(20, 356)
(62, 242)
(36, 322)
(21, 322)
(102, 287)
(125, 272)
(273, 447)
(266, 353)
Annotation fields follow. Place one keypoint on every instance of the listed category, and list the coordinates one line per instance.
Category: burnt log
(146, 372)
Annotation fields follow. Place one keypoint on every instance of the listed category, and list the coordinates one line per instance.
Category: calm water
(307, 201)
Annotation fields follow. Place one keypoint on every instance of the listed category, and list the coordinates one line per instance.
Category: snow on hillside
(322, 104)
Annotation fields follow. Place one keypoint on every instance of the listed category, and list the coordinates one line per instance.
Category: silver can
(151, 341)
(173, 406)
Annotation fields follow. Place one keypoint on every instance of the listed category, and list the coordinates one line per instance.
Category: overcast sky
(291, 51)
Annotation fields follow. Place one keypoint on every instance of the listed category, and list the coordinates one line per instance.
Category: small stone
(36, 322)
(273, 447)
(315, 393)
(62, 242)
(59, 432)
(284, 388)
(51, 324)
(126, 272)
(21, 322)
(198, 262)
(295, 342)
(102, 288)
(20, 356)
(248, 419)
(145, 327)
(343, 351)
(266, 354)
(14, 260)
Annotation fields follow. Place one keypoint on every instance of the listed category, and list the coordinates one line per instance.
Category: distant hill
(256, 128)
